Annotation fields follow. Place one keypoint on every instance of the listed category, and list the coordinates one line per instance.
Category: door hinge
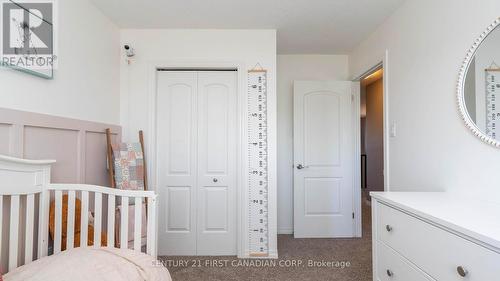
(352, 215)
(352, 98)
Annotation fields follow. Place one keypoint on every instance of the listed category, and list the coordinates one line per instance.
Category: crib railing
(27, 202)
(112, 198)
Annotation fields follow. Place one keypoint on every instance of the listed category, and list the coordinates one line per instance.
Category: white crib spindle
(124, 223)
(13, 231)
(85, 219)
(43, 224)
(151, 229)
(97, 219)
(111, 220)
(30, 220)
(137, 224)
(58, 222)
(70, 231)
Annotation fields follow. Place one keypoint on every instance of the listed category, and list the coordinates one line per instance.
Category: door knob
(390, 273)
(300, 167)
(215, 180)
(462, 271)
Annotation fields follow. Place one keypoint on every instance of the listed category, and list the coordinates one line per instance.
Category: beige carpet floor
(350, 260)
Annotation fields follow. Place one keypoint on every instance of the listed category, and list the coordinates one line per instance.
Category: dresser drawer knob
(388, 228)
(390, 273)
(462, 271)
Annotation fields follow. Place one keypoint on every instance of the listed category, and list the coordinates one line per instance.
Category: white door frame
(241, 207)
(383, 63)
(356, 172)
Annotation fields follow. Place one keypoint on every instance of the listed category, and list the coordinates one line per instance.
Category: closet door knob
(300, 167)
(390, 273)
(215, 180)
(388, 228)
(462, 271)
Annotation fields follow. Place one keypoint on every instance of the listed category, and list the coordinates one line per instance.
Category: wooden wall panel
(96, 160)
(5, 138)
(59, 144)
(78, 146)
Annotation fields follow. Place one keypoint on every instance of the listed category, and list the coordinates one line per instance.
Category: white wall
(189, 47)
(86, 83)
(290, 68)
(427, 41)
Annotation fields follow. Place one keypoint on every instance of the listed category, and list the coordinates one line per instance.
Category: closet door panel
(215, 124)
(217, 137)
(177, 119)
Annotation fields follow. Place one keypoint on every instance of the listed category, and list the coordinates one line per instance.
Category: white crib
(25, 196)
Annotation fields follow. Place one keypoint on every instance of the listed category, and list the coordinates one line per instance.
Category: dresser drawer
(434, 250)
(392, 267)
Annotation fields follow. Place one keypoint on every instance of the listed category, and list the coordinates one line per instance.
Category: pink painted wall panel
(5, 138)
(59, 144)
(78, 146)
(96, 160)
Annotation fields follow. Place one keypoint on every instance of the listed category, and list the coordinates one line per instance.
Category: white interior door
(323, 157)
(196, 146)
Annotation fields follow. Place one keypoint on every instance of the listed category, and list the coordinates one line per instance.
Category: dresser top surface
(475, 218)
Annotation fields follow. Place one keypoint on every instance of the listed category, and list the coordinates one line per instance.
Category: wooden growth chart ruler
(258, 164)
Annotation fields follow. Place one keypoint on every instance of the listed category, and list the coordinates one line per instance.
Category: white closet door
(216, 163)
(197, 134)
(177, 156)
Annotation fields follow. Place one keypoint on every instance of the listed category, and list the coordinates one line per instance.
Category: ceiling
(304, 26)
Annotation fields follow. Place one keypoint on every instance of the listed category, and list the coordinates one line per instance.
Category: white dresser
(434, 236)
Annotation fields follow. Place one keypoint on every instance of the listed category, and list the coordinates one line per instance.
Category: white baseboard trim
(285, 230)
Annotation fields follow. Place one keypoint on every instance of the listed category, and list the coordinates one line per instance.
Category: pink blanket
(90, 264)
